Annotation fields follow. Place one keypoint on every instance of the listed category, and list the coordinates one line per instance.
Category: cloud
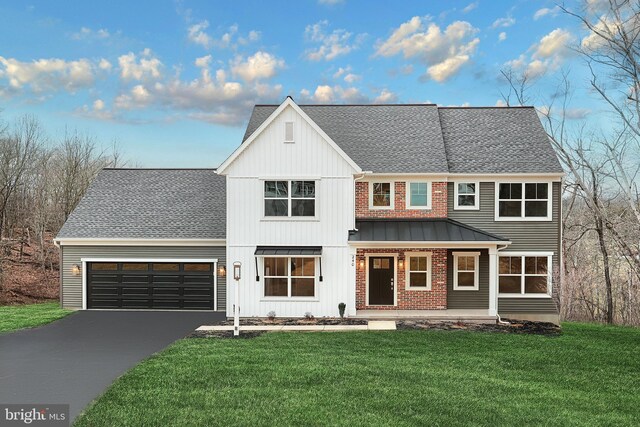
(330, 45)
(104, 65)
(261, 65)
(47, 75)
(386, 97)
(576, 113)
(546, 11)
(501, 103)
(197, 34)
(146, 67)
(502, 36)
(470, 7)
(86, 33)
(325, 94)
(546, 55)
(503, 22)
(352, 78)
(443, 52)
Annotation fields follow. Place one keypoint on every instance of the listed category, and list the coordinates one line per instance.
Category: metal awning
(288, 251)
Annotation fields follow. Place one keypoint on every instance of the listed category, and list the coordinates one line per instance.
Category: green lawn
(590, 375)
(13, 317)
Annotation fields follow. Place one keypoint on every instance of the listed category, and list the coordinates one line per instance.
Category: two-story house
(393, 210)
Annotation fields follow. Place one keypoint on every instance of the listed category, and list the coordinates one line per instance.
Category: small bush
(341, 307)
(271, 315)
(308, 316)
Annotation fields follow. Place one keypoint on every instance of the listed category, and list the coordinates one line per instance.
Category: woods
(41, 182)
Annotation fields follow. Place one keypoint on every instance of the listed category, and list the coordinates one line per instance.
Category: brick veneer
(435, 299)
(438, 203)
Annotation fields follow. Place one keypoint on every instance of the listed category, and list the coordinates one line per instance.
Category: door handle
(391, 283)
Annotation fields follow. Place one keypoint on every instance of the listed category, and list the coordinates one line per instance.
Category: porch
(447, 315)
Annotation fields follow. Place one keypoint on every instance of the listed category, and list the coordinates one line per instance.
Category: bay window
(289, 277)
(289, 198)
(524, 274)
(523, 200)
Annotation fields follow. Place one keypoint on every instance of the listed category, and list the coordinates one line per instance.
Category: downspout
(500, 321)
(354, 197)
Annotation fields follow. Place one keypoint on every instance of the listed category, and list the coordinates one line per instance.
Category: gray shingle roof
(151, 204)
(419, 230)
(430, 139)
(379, 138)
(496, 140)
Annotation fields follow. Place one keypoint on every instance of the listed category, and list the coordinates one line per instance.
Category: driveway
(73, 360)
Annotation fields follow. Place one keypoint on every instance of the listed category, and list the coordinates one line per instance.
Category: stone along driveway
(75, 359)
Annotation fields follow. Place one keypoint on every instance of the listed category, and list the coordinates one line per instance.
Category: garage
(151, 285)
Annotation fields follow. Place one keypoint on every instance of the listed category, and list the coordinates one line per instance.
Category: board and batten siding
(543, 236)
(464, 299)
(72, 285)
(309, 157)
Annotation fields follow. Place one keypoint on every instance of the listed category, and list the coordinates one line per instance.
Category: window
(524, 274)
(466, 195)
(288, 132)
(418, 195)
(135, 266)
(523, 200)
(465, 271)
(290, 198)
(289, 277)
(419, 271)
(166, 267)
(104, 266)
(380, 195)
(197, 267)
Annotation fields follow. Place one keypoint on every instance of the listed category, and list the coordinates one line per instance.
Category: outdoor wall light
(222, 271)
(361, 263)
(401, 263)
(75, 269)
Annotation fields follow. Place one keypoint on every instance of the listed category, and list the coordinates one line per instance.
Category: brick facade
(438, 203)
(434, 299)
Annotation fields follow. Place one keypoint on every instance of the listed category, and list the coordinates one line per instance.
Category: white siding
(310, 157)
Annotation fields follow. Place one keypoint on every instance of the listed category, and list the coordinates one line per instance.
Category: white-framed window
(518, 201)
(381, 195)
(288, 132)
(466, 195)
(466, 267)
(418, 194)
(524, 274)
(418, 266)
(289, 198)
(289, 277)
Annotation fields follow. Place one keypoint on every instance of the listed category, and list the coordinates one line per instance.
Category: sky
(174, 82)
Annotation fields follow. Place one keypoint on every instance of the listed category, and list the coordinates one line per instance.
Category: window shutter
(288, 132)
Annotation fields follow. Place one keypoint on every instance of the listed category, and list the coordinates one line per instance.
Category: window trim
(522, 275)
(289, 217)
(496, 199)
(407, 194)
(476, 271)
(391, 195)
(407, 268)
(476, 205)
(289, 277)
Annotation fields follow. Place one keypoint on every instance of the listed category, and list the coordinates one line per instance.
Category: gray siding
(527, 305)
(524, 235)
(469, 299)
(72, 285)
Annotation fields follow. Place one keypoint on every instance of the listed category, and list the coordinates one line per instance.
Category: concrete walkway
(373, 325)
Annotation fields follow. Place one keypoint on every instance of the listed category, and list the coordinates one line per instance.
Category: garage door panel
(158, 285)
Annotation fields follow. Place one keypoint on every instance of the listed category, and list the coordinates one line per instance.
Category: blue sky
(174, 81)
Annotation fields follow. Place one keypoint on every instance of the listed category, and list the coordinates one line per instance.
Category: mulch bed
(514, 327)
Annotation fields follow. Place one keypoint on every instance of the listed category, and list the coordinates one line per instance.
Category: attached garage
(146, 284)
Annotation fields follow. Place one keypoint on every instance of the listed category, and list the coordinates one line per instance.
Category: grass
(14, 317)
(587, 376)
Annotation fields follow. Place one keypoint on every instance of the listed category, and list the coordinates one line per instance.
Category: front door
(381, 286)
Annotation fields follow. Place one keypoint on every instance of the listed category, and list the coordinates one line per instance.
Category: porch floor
(448, 315)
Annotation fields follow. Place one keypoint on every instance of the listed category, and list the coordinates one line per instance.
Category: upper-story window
(418, 195)
(529, 200)
(466, 196)
(288, 132)
(290, 198)
(381, 195)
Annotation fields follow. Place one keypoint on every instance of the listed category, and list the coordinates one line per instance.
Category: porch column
(493, 281)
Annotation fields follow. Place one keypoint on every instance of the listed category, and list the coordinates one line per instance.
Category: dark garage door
(150, 285)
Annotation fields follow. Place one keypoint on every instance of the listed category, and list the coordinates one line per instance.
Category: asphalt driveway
(74, 359)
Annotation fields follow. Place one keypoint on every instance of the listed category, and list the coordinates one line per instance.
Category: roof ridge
(485, 107)
(159, 169)
(352, 105)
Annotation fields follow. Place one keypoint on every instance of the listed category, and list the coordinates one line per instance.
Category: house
(393, 210)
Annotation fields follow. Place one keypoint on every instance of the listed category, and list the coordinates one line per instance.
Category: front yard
(14, 317)
(586, 376)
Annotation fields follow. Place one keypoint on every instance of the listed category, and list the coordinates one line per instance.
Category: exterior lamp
(361, 263)
(222, 271)
(75, 269)
(237, 266)
(401, 263)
